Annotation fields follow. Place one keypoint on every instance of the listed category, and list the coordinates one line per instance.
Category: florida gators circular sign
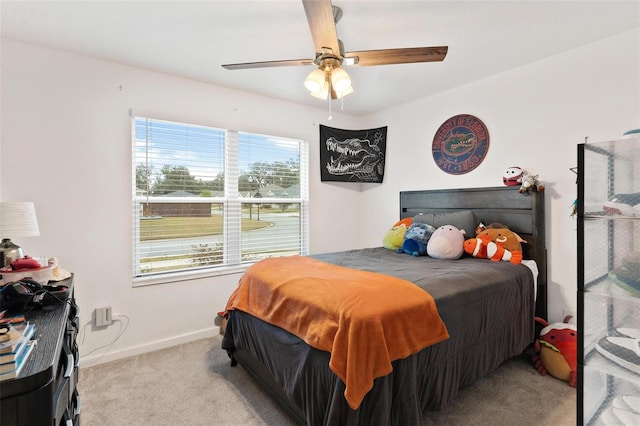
(460, 144)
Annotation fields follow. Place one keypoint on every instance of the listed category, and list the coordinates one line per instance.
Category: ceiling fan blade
(322, 25)
(398, 56)
(268, 64)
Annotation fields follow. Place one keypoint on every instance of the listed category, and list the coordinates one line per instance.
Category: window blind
(206, 198)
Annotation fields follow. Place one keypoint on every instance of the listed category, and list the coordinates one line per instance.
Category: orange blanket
(364, 319)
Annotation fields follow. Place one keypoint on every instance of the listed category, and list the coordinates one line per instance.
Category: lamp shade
(18, 219)
(315, 81)
(344, 93)
(323, 92)
(340, 80)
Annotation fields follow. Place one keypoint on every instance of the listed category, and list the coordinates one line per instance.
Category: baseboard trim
(97, 359)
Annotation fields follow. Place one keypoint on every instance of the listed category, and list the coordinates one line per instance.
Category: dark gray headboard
(522, 213)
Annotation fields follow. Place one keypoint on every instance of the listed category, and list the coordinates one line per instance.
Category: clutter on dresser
(40, 269)
(24, 284)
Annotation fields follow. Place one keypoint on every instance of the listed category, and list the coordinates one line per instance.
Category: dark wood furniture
(44, 393)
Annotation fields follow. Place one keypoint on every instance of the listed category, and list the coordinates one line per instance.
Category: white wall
(536, 115)
(65, 144)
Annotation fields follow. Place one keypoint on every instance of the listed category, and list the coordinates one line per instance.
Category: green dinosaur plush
(394, 237)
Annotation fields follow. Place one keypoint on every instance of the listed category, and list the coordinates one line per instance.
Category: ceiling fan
(330, 79)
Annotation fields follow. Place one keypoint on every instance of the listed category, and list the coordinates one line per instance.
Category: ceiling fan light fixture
(330, 81)
(342, 94)
(340, 80)
(323, 93)
(315, 81)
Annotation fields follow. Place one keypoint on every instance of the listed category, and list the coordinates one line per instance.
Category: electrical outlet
(103, 316)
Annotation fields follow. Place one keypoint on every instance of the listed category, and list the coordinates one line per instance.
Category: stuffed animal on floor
(502, 236)
(416, 238)
(394, 237)
(530, 184)
(556, 350)
(446, 243)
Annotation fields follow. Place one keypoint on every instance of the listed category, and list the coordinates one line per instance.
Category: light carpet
(193, 384)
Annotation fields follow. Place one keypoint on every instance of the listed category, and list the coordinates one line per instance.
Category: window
(209, 199)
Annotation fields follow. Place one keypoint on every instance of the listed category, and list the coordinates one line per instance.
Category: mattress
(487, 307)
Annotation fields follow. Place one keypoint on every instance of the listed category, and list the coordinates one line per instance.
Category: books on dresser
(17, 334)
(18, 363)
(15, 347)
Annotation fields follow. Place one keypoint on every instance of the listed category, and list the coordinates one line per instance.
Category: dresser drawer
(61, 400)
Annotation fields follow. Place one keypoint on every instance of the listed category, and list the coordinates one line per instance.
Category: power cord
(123, 327)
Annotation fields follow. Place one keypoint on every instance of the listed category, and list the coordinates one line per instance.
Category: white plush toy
(447, 242)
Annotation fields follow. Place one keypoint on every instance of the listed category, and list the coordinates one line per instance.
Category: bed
(488, 309)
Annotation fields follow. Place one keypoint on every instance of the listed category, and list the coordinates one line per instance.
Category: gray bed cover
(488, 308)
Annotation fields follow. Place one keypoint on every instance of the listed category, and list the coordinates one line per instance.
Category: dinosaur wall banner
(352, 155)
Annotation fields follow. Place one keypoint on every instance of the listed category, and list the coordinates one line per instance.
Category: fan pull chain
(330, 116)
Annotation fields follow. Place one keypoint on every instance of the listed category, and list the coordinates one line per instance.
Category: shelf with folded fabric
(615, 285)
(609, 282)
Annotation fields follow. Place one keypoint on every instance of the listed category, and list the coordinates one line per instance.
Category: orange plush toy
(484, 248)
(502, 236)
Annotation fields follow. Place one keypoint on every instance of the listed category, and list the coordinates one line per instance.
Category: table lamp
(17, 219)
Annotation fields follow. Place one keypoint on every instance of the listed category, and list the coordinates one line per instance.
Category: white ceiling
(192, 39)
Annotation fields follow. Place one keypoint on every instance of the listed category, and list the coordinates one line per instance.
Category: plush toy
(446, 243)
(476, 247)
(556, 350)
(530, 183)
(416, 238)
(512, 176)
(484, 248)
(501, 234)
(394, 237)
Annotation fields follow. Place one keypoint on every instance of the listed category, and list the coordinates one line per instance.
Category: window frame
(231, 203)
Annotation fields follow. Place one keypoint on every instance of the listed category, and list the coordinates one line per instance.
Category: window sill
(172, 277)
